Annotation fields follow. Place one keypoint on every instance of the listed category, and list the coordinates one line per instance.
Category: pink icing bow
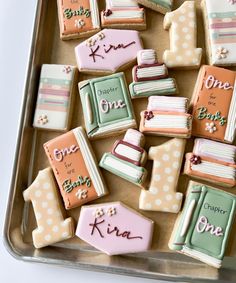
(107, 13)
(195, 160)
(148, 115)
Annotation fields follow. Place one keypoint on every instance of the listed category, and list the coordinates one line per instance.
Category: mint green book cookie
(106, 106)
(202, 228)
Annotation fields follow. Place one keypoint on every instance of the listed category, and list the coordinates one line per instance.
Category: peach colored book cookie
(161, 195)
(52, 227)
(182, 26)
(213, 162)
(78, 18)
(75, 168)
(123, 14)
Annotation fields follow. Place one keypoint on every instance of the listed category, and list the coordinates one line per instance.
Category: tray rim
(64, 263)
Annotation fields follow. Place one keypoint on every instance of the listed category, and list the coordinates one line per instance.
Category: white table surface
(16, 22)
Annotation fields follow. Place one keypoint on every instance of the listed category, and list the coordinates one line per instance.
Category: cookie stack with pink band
(166, 116)
(151, 77)
(127, 158)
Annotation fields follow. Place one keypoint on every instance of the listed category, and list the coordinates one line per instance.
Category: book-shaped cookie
(123, 14)
(108, 51)
(150, 77)
(162, 6)
(161, 195)
(166, 116)
(75, 168)
(213, 104)
(55, 97)
(78, 18)
(127, 158)
(202, 228)
(106, 106)
(52, 227)
(212, 161)
(114, 228)
(220, 31)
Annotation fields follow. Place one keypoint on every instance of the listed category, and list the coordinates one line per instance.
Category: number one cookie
(52, 227)
(167, 159)
(182, 24)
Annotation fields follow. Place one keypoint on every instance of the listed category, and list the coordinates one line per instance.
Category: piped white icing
(95, 13)
(122, 3)
(151, 71)
(173, 104)
(187, 218)
(128, 152)
(146, 56)
(153, 86)
(167, 122)
(88, 108)
(231, 125)
(122, 14)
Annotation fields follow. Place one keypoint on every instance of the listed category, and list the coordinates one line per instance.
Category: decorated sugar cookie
(213, 162)
(213, 104)
(106, 106)
(123, 14)
(166, 116)
(75, 168)
(114, 228)
(162, 6)
(203, 227)
(52, 227)
(127, 158)
(220, 31)
(78, 18)
(182, 26)
(55, 97)
(151, 77)
(108, 51)
(161, 195)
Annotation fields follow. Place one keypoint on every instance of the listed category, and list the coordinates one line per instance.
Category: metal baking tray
(159, 262)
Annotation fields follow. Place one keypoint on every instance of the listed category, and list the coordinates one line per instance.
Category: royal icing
(213, 103)
(55, 96)
(203, 227)
(127, 158)
(122, 12)
(161, 6)
(114, 228)
(212, 161)
(78, 18)
(161, 195)
(182, 25)
(75, 168)
(166, 116)
(108, 51)
(51, 225)
(106, 105)
(146, 57)
(220, 28)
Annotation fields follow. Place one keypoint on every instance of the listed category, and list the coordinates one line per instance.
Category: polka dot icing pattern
(108, 51)
(182, 24)
(51, 225)
(114, 228)
(161, 195)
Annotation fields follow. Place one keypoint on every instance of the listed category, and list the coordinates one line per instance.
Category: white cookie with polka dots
(52, 227)
(182, 25)
(162, 196)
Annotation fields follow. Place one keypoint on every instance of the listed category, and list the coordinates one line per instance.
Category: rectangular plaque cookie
(203, 227)
(75, 168)
(213, 104)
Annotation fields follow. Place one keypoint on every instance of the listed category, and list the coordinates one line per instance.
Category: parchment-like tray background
(62, 52)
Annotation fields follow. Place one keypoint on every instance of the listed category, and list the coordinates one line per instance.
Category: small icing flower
(210, 127)
(232, 2)
(195, 160)
(98, 213)
(82, 194)
(43, 119)
(79, 23)
(67, 69)
(101, 35)
(148, 115)
(221, 53)
(111, 211)
(107, 13)
(90, 42)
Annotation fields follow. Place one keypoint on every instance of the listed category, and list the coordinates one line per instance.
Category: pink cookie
(115, 228)
(146, 57)
(108, 51)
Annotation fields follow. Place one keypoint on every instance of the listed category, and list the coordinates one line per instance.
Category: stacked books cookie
(150, 77)
(127, 158)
